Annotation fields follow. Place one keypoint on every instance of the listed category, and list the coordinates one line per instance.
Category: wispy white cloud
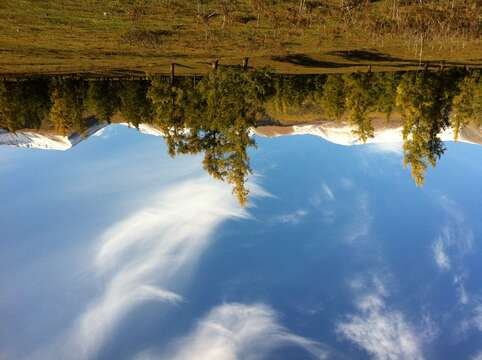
(441, 258)
(458, 235)
(472, 320)
(372, 283)
(256, 190)
(346, 183)
(328, 192)
(457, 232)
(461, 292)
(362, 220)
(141, 256)
(291, 218)
(237, 331)
(428, 328)
(477, 319)
(381, 331)
(151, 292)
(456, 238)
(451, 207)
(478, 356)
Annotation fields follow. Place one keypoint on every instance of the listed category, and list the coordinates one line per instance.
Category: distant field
(290, 36)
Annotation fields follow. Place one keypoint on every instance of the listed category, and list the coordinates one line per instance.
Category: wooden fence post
(245, 63)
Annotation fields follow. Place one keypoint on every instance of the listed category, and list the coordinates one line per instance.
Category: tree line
(213, 114)
(210, 115)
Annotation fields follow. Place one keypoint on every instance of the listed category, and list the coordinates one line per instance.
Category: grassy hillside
(292, 36)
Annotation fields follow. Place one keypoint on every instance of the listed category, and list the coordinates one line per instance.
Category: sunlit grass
(65, 36)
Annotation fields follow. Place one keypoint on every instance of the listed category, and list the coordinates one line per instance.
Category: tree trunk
(172, 73)
(245, 63)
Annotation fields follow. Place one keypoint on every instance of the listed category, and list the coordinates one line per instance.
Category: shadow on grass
(365, 55)
(183, 66)
(306, 61)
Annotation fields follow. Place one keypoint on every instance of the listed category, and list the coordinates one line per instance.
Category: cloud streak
(441, 258)
(363, 220)
(237, 331)
(379, 330)
(325, 195)
(328, 192)
(142, 256)
(478, 317)
(456, 237)
(292, 218)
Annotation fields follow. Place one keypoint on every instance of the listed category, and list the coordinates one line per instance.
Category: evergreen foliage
(213, 115)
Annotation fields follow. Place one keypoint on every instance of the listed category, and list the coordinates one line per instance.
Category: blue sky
(113, 250)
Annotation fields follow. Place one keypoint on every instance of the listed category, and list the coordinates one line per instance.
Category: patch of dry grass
(148, 35)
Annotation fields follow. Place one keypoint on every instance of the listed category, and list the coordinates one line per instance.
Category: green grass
(118, 36)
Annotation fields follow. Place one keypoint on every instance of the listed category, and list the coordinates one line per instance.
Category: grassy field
(289, 36)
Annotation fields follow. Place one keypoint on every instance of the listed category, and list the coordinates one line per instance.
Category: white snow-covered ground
(343, 135)
(31, 139)
(337, 134)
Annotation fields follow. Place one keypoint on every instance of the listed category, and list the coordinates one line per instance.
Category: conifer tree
(66, 113)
